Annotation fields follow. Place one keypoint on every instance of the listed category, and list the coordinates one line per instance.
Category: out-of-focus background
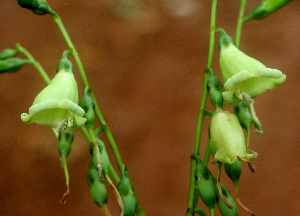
(145, 60)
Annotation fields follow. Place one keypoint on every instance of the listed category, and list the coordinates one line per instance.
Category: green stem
(107, 132)
(65, 34)
(65, 167)
(248, 137)
(212, 212)
(240, 23)
(97, 151)
(85, 133)
(35, 63)
(212, 33)
(206, 154)
(201, 114)
(114, 174)
(256, 121)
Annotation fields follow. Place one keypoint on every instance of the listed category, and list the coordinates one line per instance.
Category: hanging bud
(65, 140)
(65, 143)
(228, 138)
(8, 53)
(127, 193)
(244, 116)
(99, 193)
(39, 7)
(12, 64)
(205, 185)
(244, 77)
(87, 104)
(234, 171)
(215, 88)
(224, 210)
(56, 105)
(265, 8)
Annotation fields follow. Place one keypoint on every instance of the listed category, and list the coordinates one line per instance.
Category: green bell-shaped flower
(228, 138)
(244, 77)
(57, 104)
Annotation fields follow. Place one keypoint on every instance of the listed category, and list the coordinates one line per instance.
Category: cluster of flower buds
(8, 61)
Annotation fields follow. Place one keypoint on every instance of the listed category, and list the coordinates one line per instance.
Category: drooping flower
(57, 104)
(228, 138)
(244, 77)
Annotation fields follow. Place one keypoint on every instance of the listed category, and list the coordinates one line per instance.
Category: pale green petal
(62, 86)
(252, 84)
(236, 79)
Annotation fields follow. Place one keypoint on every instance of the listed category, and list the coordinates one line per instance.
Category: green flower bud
(228, 138)
(99, 193)
(8, 53)
(243, 113)
(87, 104)
(127, 194)
(215, 88)
(12, 64)
(39, 7)
(205, 184)
(207, 191)
(124, 186)
(224, 210)
(233, 170)
(56, 105)
(244, 77)
(65, 143)
(93, 175)
(265, 8)
(129, 205)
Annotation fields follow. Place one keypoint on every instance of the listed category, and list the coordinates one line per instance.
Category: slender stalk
(97, 152)
(240, 23)
(206, 154)
(107, 132)
(201, 114)
(212, 33)
(35, 63)
(213, 212)
(65, 167)
(65, 34)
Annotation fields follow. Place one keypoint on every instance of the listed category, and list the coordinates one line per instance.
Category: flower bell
(228, 138)
(244, 77)
(57, 104)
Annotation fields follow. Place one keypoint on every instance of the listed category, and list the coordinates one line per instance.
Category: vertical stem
(207, 153)
(65, 34)
(212, 33)
(240, 23)
(190, 210)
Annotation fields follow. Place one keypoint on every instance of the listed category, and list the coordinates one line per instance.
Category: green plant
(58, 106)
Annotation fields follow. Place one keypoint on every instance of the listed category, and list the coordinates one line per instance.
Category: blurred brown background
(145, 62)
